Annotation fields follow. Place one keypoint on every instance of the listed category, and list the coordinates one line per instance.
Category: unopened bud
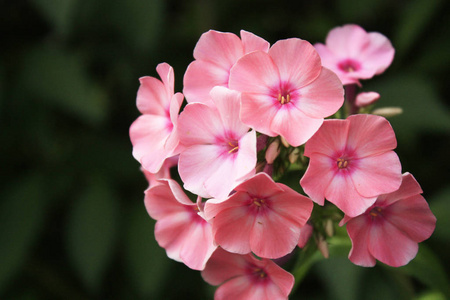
(322, 245)
(329, 228)
(273, 151)
(293, 156)
(366, 98)
(284, 142)
(388, 112)
(305, 234)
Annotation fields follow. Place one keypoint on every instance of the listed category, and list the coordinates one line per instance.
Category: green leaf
(22, 215)
(60, 79)
(59, 13)
(92, 232)
(431, 296)
(147, 263)
(427, 268)
(440, 206)
(413, 21)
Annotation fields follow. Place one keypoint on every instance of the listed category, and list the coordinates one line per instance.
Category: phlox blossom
(286, 91)
(262, 216)
(243, 277)
(215, 53)
(354, 54)
(179, 229)
(220, 151)
(392, 227)
(352, 162)
(153, 134)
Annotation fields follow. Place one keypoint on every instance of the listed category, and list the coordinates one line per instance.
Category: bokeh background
(72, 220)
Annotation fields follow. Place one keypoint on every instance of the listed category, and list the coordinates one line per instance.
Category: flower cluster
(255, 113)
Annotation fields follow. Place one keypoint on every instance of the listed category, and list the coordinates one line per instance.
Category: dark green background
(72, 220)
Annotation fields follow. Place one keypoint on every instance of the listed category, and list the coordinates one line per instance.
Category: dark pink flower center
(375, 212)
(259, 273)
(233, 146)
(349, 65)
(259, 202)
(342, 163)
(284, 98)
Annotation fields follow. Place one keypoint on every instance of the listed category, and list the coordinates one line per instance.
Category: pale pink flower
(154, 135)
(354, 54)
(163, 173)
(179, 229)
(262, 216)
(220, 151)
(352, 162)
(392, 227)
(215, 53)
(286, 91)
(366, 98)
(243, 277)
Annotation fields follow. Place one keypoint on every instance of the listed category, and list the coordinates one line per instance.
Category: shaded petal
(317, 177)
(221, 48)
(344, 195)
(380, 53)
(347, 41)
(375, 175)
(165, 72)
(239, 288)
(305, 234)
(200, 77)
(255, 73)
(359, 232)
(292, 124)
(282, 279)
(257, 111)
(370, 135)
(252, 42)
(412, 216)
(292, 205)
(273, 236)
(408, 188)
(215, 206)
(322, 97)
(330, 139)
(390, 245)
(224, 265)
(199, 245)
(232, 228)
(152, 96)
(253, 186)
(297, 61)
(148, 134)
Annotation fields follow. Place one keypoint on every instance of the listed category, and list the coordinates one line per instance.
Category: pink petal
(297, 61)
(215, 206)
(370, 135)
(412, 216)
(344, 195)
(330, 139)
(239, 288)
(379, 55)
(165, 72)
(224, 265)
(390, 245)
(257, 111)
(253, 186)
(348, 40)
(199, 245)
(273, 236)
(232, 228)
(292, 124)
(322, 97)
(252, 42)
(408, 188)
(160, 201)
(305, 234)
(375, 175)
(148, 135)
(254, 73)
(200, 77)
(280, 278)
(359, 232)
(317, 177)
(292, 205)
(152, 97)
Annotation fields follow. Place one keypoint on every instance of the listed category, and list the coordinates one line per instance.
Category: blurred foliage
(72, 220)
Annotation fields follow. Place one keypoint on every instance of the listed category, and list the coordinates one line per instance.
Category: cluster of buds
(254, 113)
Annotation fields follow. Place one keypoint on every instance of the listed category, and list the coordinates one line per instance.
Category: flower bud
(273, 151)
(293, 156)
(388, 112)
(322, 245)
(366, 98)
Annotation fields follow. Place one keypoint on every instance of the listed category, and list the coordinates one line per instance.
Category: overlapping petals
(153, 134)
(215, 53)
(392, 227)
(179, 229)
(352, 162)
(354, 54)
(220, 151)
(286, 91)
(262, 217)
(243, 277)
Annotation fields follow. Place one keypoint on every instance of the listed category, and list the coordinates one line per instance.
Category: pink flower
(392, 227)
(262, 216)
(286, 91)
(163, 173)
(154, 135)
(215, 53)
(352, 162)
(243, 277)
(179, 229)
(354, 54)
(220, 151)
